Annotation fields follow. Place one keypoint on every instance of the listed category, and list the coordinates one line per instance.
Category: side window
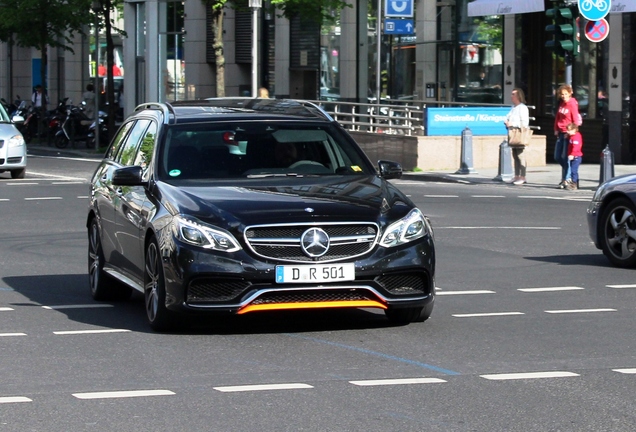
(127, 155)
(119, 140)
(144, 153)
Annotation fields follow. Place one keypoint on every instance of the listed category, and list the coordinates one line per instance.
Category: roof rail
(166, 109)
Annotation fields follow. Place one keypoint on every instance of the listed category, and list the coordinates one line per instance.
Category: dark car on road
(237, 205)
(611, 217)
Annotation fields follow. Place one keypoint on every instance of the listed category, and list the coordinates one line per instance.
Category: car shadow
(597, 260)
(72, 290)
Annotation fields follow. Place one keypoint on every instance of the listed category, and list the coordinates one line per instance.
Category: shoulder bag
(519, 136)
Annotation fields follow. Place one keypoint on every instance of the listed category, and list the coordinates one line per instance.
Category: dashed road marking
(42, 198)
(528, 375)
(259, 387)
(550, 289)
(441, 196)
(487, 314)
(626, 371)
(12, 334)
(78, 332)
(565, 311)
(123, 394)
(466, 292)
(14, 399)
(488, 196)
(4, 309)
(399, 381)
(78, 306)
(621, 286)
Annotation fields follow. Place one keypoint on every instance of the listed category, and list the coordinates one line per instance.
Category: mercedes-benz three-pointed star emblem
(314, 242)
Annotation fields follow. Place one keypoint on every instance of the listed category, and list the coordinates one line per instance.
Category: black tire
(60, 141)
(103, 287)
(408, 315)
(159, 317)
(18, 174)
(617, 221)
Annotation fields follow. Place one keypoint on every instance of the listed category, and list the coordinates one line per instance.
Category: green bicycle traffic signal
(563, 30)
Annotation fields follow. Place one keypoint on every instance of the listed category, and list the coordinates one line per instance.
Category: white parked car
(13, 154)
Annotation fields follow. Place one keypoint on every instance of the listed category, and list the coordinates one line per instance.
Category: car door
(103, 194)
(129, 218)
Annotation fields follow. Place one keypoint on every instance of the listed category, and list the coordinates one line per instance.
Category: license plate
(315, 273)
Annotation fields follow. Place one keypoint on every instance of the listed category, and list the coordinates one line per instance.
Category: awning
(501, 7)
(623, 6)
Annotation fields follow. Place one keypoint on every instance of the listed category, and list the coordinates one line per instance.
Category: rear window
(253, 150)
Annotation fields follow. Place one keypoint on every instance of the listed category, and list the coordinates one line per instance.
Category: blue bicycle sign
(594, 10)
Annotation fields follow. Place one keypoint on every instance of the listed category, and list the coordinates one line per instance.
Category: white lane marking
(4, 199)
(58, 177)
(400, 381)
(96, 160)
(528, 375)
(579, 311)
(67, 183)
(12, 334)
(14, 399)
(554, 198)
(4, 309)
(498, 227)
(466, 292)
(549, 289)
(487, 314)
(245, 388)
(626, 371)
(77, 306)
(123, 394)
(441, 196)
(83, 196)
(43, 198)
(23, 184)
(621, 286)
(77, 332)
(488, 196)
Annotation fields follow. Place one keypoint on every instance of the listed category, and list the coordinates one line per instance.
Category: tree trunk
(217, 31)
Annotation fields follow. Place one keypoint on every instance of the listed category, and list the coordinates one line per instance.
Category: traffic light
(564, 30)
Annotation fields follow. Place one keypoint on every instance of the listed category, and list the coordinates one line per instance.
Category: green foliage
(42, 23)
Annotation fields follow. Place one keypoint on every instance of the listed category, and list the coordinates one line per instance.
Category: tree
(43, 23)
(312, 10)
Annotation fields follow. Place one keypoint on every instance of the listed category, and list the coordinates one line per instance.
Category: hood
(282, 200)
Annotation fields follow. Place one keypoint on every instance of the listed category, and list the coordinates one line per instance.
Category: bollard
(466, 164)
(505, 162)
(607, 165)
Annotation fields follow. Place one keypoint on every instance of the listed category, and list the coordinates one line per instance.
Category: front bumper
(593, 213)
(198, 280)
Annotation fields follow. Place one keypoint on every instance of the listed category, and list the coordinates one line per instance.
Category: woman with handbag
(518, 124)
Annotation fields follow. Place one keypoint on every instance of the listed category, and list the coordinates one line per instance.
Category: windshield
(4, 117)
(258, 149)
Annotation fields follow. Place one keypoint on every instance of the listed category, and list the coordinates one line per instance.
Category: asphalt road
(532, 331)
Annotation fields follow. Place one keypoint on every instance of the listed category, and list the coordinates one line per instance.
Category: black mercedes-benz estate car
(237, 206)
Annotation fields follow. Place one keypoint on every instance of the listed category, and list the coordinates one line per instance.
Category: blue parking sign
(398, 8)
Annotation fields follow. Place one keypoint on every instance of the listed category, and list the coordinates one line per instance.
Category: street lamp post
(255, 5)
(96, 7)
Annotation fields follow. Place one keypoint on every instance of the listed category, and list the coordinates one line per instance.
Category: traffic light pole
(568, 69)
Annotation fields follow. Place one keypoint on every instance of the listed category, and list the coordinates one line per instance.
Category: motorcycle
(76, 126)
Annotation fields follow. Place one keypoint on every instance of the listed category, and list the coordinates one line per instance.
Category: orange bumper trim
(312, 305)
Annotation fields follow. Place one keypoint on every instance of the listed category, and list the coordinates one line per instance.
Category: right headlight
(411, 227)
(199, 234)
(15, 141)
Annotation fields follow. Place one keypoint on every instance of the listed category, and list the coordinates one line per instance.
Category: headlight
(411, 227)
(199, 234)
(16, 141)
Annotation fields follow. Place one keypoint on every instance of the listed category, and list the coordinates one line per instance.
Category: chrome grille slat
(282, 242)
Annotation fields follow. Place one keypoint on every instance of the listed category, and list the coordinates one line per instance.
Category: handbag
(519, 136)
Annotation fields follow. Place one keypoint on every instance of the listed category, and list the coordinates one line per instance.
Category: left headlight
(202, 235)
(15, 141)
(411, 227)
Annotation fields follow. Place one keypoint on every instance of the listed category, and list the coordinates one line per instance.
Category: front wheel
(60, 141)
(159, 317)
(617, 233)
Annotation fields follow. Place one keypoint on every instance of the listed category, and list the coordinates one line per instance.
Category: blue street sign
(594, 10)
(398, 26)
(398, 8)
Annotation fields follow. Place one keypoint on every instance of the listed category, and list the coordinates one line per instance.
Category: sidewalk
(544, 176)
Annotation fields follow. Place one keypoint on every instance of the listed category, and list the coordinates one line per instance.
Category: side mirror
(389, 169)
(17, 119)
(128, 176)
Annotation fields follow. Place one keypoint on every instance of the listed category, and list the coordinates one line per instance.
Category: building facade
(458, 52)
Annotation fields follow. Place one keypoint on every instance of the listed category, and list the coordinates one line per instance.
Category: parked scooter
(75, 126)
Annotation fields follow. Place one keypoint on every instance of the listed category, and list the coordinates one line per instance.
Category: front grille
(215, 290)
(404, 283)
(314, 296)
(282, 242)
